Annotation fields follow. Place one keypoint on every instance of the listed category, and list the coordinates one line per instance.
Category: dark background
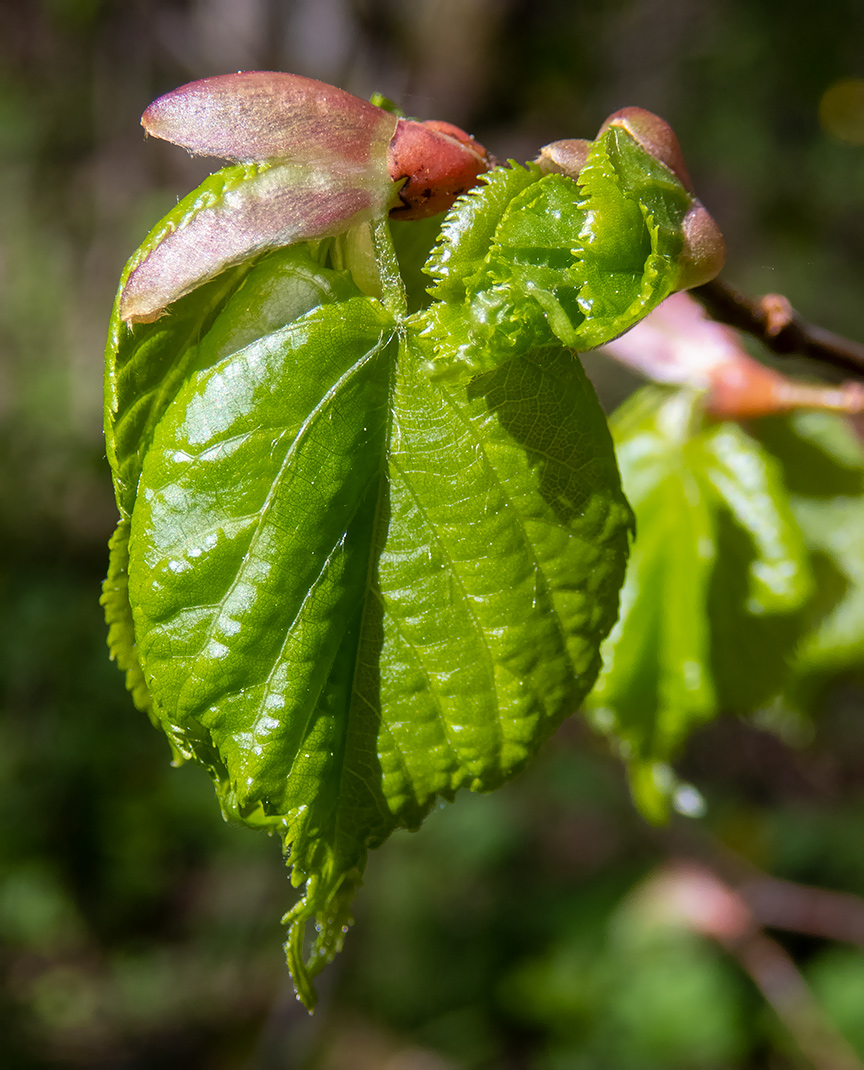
(136, 928)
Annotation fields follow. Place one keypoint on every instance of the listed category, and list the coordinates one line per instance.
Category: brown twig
(778, 326)
(800, 908)
(773, 902)
(695, 896)
(777, 977)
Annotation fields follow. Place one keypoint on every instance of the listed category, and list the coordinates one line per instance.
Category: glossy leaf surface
(535, 257)
(366, 557)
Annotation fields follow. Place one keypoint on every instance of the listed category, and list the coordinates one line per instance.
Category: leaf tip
(303, 987)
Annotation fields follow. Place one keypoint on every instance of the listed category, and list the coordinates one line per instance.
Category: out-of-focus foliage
(823, 469)
(717, 578)
(745, 590)
(137, 929)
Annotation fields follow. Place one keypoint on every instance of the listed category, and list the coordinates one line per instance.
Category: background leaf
(823, 466)
(713, 603)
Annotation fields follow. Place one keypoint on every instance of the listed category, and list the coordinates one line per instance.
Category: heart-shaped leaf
(367, 558)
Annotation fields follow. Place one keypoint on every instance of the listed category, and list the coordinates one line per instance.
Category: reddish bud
(678, 343)
(655, 136)
(437, 162)
(704, 252)
(333, 161)
(564, 157)
(743, 389)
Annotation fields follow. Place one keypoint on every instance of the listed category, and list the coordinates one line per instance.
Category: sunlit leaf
(546, 256)
(372, 553)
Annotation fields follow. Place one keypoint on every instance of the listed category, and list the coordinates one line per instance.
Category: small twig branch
(773, 903)
(777, 977)
(778, 326)
(695, 896)
(800, 908)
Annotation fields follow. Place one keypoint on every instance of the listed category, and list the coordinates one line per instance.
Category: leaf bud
(436, 162)
(704, 252)
(655, 136)
(564, 157)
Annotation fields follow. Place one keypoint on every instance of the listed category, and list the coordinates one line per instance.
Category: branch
(777, 325)
(772, 902)
(800, 908)
(696, 897)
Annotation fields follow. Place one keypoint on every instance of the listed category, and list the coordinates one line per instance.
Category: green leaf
(354, 584)
(118, 617)
(144, 368)
(712, 605)
(528, 258)
(835, 534)
(469, 228)
(402, 594)
(146, 364)
(763, 585)
(823, 466)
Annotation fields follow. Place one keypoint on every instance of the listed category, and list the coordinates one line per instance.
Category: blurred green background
(136, 928)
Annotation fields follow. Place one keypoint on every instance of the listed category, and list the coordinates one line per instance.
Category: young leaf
(315, 161)
(403, 594)
(118, 617)
(530, 257)
(712, 605)
(344, 585)
(404, 591)
(145, 367)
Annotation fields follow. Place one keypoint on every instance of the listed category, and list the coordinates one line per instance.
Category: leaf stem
(772, 319)
(393, 293)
